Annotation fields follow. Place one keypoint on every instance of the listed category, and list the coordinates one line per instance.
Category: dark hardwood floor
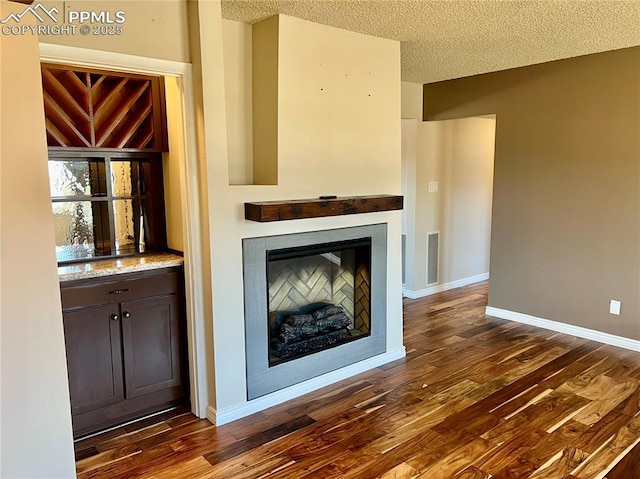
(476, 397)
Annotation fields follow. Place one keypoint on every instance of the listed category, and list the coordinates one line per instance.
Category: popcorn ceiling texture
(441, 39)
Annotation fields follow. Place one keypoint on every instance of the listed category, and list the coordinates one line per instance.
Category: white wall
(35, 415)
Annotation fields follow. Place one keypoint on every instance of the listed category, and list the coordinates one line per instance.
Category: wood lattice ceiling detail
(93, 109)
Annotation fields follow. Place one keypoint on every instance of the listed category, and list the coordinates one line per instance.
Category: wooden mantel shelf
(266, 211)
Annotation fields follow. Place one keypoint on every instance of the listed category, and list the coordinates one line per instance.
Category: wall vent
(433, 246)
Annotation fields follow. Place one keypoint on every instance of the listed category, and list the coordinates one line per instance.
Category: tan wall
(237, 38)
(566, 217)
(152, 28)
(35, 414)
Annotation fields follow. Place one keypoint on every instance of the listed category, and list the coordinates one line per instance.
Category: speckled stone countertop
(112, 266)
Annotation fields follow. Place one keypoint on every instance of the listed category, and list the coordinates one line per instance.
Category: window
(106, 204)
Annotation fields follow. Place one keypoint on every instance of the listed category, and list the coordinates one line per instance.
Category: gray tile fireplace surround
(262, 379)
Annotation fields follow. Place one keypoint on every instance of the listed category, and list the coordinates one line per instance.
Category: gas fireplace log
(333, 322)
(327, 311)
(289, 334)
(301, 326)
(299, 319)
(310, 345)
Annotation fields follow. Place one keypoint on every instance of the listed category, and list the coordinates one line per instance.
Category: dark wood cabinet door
(151, 341)
(94, 358)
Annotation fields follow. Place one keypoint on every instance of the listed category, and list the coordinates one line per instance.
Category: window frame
(152, 199)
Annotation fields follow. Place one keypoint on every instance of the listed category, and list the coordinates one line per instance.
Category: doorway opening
(181, 179)
(447, 173)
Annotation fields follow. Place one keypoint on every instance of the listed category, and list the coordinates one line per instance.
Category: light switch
(433, 186)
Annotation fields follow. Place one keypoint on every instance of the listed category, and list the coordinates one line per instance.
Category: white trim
(113, 61)
(438, 288)
(226, 415)
(188, 184)
(593, 335)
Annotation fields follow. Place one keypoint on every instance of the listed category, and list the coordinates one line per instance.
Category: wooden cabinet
(94, 361)
(125, 342)
(151, 345)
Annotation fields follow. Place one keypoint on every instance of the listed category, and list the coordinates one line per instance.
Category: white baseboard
(599, 336)
(226, 415)
(439, 288)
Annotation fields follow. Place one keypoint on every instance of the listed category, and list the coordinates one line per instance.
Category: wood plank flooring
(476, 398)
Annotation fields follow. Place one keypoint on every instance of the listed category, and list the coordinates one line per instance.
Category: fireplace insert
(314, 302)
(319, 297)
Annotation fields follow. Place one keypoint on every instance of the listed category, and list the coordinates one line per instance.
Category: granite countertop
(112, 266)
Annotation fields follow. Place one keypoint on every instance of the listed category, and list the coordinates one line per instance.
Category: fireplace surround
(319, 296)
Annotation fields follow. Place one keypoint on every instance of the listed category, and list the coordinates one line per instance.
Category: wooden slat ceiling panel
(93, 109)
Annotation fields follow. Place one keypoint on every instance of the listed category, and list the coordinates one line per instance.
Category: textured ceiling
(444, 39)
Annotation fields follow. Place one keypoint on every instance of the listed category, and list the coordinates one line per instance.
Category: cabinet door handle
(119, 291)
(126, 314)
(115, 317)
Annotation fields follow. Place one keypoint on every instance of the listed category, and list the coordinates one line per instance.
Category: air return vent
(433, 246)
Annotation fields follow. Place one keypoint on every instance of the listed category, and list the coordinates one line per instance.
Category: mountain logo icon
(38, 10)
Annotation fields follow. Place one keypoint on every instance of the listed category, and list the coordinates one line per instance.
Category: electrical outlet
(614, 307)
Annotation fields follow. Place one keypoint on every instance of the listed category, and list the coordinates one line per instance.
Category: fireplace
(319, 297)
(314, 302)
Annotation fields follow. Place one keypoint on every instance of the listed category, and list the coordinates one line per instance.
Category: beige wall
(465, 189)
(205, 28)
(265, 69)
(152, 28)
(171, 161)
(344, 142)
(35, 411)
(238, 77)
(458, 154)
(566, 214)
(319, 155)
(409, 165)
(337, 91)
(411, 100)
